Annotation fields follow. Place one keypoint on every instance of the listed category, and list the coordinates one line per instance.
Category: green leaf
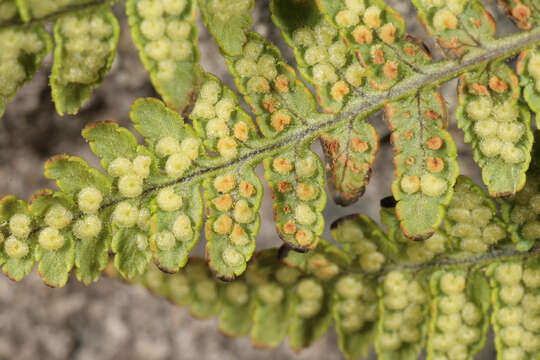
(402, 296)
(472, 219)
(206, 294)
(460, 26)
(296, 179)
(233, 200)
(92, 35)
(55, 261)
(132, 251)
(364, 241)
(168, 55)
(460, 313)
(350, 152)
(236, 308)
(355, 312)
(527, 68)
(310, 313)
(227, 21)
(18, 249)
(23, 48)
(425, 162)
(497, 126)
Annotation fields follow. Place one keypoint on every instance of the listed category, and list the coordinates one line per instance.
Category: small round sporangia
(506, 112)
(180, 50)
(271, 293)
(449, 323)
(164, 240)
(246, 67)
(167, 146)
(224, 183)
(206, 290)
(258, 85)
(452, 284)
(241, 131)
(410, 184)
(130, 185)
(531, 323)
(349, 287)
(509, 274)
(309, 289)
(266, 66)
(511, 154)
(238, 236)
(232, 257)
(531, 303)
(158, 49)
(87, 228)
(443, 342)
(237, 293)
(511, 295)
(305, 215)
(280, 119)
(354, 74)
(371, 262)
(304, 237)
(468, 335)
(432, 185)
(306, 192)
(217, 128)
(210, 91)
(393, 321)
(416, 293)
(246, 189)
(352, 323)
(324, 33)
(227, 147)
(372, 17)
(242, 214)
(120, 167)
(510, 132)
(395, 283)
(303, 37)
(413, 314)
(355, 5)
(19, 225)
(182, 228)
(530, 342)
(177, 164)
(153, 29)
(306, 167)
(452, 304)
(51, 239)
(287, 275)
(324, 73)
(308, 308)
(224, 108)
(445, 19)
(223, 203)
(436, 243)
(350, 307)
(15, 248)
(511, 335)
(339, 90)
(150, 8)
(141, 166)
(347, 18)
(168, 200)
(388, 33)
(506, 316)
(389, 341)
(223, 224)
(190, 147)
(409, 334)
(531, 278)
(125, 214)
(282, 166)
(253, 49)
(178, 30)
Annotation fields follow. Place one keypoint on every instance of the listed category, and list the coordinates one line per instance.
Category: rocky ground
(111, 320)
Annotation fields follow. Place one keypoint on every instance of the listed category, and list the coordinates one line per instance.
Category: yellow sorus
(58, 217)
(87, 228)
(19, 225)
(182, 228)
(125, 214)
(51, 239)
(168, 200)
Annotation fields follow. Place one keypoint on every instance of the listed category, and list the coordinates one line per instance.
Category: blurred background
(112, 320)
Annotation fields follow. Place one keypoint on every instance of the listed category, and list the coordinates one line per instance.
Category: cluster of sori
(178, 156)
(233, 200)
(87, 44)
(404, 304)
(327, 62)
(445, 17)
(499, 125)
(295, 178)
(219, 120)
(322, 267)
(265, 81)
(310, 295)
(516, 316)
(8, 10)
(355, 304)
(458, 324)
(360, 239)
(429, 184)
(471, 218)
(18, 43)
(418, 252)
(524, 212)
(166, 32)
